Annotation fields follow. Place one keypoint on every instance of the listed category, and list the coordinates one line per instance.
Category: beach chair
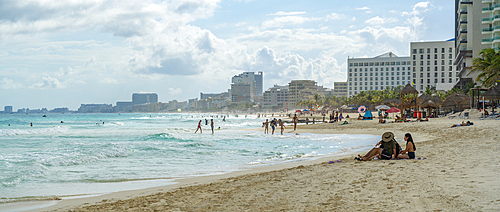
(452, 117)
(465, 115)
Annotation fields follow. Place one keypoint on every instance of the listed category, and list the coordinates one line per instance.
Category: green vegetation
(488, 63)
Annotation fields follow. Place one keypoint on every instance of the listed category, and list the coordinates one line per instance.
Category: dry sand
(460, 173)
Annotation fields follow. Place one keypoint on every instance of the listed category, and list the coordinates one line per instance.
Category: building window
(435, 74)
(421, 57)
(428, 81)
(442, 62)
(428, 74)
(435, 62)
(428, 56)
(414, 51)
(421, 68)
(442, 50)
(442, 68)
(421, 63)
(428, 50)
(435, 50)
(414, 63)
(450, 50)
(449, 68)
(421, 81)
(381, 73)
(442, 80)
(436, 68)
(435, 80)
(435, 57)
(421, 51)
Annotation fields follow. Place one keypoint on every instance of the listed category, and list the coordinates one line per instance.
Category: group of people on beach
(274, 124)
(389, 149)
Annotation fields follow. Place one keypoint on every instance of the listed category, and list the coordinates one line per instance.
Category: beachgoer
(307, 120)
(313, 121)
(347, 116)
(266, 127)
(381, 120)
(31, 124)
(206, 122)
(340, 117)
(486, 113)
(468, 123)
(212, 125)
(199, 128)
(282, 126)
(273, 125)
(360, 117)
(409, 152)
(295, 120)
(384, 149)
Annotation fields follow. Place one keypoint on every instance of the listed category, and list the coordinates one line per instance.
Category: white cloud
(7, 83)
(336, 16)
(418, 8)
(362, 8)
(108, 81)
(378, 21)
(281, 13)
(174, 91)
(281, 22)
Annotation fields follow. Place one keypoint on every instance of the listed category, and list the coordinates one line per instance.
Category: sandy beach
(460, 173)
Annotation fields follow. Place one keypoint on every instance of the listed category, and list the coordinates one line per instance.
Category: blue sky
(66, 53)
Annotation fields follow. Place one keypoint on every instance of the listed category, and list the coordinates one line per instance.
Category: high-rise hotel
(377, 73)
(432, 65)
(475, 24)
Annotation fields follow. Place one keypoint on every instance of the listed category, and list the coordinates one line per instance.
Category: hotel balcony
(463, 21)
(487, 20)
(463, 31)
(487, 41)
(488, 9)
(496, 39)
(467, 1)
(487, 31)
(488, 1)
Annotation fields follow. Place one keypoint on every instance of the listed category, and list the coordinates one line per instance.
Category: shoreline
(444, 181)
(53, 202)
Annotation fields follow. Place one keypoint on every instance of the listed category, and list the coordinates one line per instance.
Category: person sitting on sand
(409, 152)
(486, 113)
(468, 123)
(386, 152)
(381, 120)
(360, 117)
(420, 119)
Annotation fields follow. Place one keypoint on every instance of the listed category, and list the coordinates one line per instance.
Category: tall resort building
(255, 81)
(377, 73)
(432, 65)
(476, 23)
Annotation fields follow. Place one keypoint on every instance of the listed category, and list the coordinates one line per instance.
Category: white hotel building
(386, 70)
(432, 65)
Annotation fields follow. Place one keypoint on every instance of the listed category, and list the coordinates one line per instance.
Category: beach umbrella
(393, 110)
(305, 110)
(298, 111)
(391, 102)
(456, 100)
(361, 109)
(382, 107)
(493, 93)
(422, 98)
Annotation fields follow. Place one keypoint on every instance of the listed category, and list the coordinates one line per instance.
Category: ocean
(93, 154)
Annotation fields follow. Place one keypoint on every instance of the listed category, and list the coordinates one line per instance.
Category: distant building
(377, 73)
(240, 92)
(300, 90)
(254, 80)
(95, 108)
(59, 110)
(8, 109)
(432, 65)
(213, 95)
(340, 89)
(192, 103)
(144, 98)
(276, 96)
(123, 107)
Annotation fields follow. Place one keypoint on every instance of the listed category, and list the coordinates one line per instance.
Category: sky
(67, 53)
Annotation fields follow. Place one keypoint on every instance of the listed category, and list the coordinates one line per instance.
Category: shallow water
(133, 151)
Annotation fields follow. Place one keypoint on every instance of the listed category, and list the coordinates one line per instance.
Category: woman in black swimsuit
(409, 152)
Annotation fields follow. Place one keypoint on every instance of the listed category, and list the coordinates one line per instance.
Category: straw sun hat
(387, 136)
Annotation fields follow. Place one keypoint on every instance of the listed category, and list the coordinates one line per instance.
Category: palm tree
(488, 63)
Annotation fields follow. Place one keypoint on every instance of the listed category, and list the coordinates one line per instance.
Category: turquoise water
(83, 156)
